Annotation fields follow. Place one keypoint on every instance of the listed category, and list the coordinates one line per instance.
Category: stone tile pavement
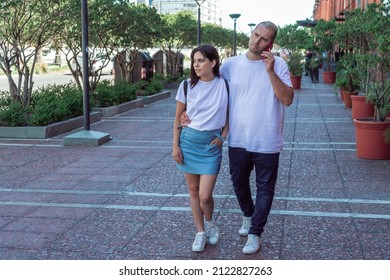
(126, 200)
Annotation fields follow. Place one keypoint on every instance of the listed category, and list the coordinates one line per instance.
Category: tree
(223, 39)
(325, 38)
(137, 27)
(178, 33)
(293, 38)
(26, 26)
(101, 26)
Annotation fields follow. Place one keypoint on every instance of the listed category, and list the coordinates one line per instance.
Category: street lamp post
(234, 17)
(84, 31)
(251, 25)
(199, 2)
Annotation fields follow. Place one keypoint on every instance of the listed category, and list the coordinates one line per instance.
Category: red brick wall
(328, 9)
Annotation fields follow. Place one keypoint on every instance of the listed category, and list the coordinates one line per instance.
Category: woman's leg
(193, 181)
(206, 187)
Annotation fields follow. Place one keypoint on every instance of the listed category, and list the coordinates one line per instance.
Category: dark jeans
(266, 167)
(314, 74)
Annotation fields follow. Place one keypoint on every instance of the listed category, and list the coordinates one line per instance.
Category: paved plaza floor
(125, 200)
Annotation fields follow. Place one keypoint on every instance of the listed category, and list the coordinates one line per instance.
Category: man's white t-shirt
(207, 104)
(256, 116)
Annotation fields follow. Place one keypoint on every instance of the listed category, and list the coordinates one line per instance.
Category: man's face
(260, 39)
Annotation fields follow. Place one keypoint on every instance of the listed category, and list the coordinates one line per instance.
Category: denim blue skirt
(199, 157)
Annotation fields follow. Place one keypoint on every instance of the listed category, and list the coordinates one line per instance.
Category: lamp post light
(234, 17)
(251, 25)
(199, 2)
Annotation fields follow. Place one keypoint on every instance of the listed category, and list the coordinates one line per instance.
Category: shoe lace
(246, 223)
(199, 239)
(213, 230)
(252, 239)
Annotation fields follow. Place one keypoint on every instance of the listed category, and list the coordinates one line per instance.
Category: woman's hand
(217, 141)
(177, 155)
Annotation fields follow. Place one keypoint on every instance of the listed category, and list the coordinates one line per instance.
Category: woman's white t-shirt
(207, 104)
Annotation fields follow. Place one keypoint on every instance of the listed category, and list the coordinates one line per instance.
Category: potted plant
(387, 135)
(373, 66)
(324, 33)
(346, 79)
(349, 38)
(295, 65)
(293, 38)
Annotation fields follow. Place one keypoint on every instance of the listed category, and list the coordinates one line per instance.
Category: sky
(280, 12)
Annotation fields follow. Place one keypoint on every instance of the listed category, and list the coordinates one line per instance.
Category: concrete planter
(137, 103)
(115, 110)
(156, 97)
(42, 132)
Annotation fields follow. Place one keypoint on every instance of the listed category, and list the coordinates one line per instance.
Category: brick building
(328, 9)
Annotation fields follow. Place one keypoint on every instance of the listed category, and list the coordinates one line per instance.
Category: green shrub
(158, 76)
(12, 113)
(155, 85)
(54, 103)
(107, 94)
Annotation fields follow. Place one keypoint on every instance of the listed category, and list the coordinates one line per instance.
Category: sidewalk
(126, 199)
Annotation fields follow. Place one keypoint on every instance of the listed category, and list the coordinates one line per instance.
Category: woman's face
(203, 67)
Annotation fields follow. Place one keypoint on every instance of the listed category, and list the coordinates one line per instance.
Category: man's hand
(269, 59)
(184, 119)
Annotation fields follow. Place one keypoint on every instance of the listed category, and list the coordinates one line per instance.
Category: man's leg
(240, 169)
(266, 166)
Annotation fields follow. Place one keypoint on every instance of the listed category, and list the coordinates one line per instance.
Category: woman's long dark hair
(211, 54)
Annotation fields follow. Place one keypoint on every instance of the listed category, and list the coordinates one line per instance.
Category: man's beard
(255, 51)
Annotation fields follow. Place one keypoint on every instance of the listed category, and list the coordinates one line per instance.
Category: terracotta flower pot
(361, 108)
(370, 143)
(296, 81)
(341, 94)
(346, 96)
(329, 77)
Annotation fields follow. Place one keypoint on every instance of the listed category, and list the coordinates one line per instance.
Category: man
(260, 89)
(308, 56)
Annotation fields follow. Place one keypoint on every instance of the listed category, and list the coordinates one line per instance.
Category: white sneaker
(246, 223)
(200, 242)
(252, 245)
(212, 234)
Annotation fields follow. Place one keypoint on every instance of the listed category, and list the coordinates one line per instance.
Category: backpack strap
(227, 86)
(185, 88)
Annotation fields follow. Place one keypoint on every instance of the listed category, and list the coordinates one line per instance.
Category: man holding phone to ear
(260, 89)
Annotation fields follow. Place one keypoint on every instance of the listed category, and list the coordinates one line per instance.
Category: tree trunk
(57, 58)
(13, 89)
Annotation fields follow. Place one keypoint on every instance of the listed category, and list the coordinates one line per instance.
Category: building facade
(210, 11)
(335, 9)
(145, 2)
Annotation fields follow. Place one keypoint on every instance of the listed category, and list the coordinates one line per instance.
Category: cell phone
(270, 46)
(268, 49)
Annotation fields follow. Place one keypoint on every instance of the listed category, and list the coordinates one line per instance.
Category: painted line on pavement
(188, 209)
(219, 196)
(112, 146)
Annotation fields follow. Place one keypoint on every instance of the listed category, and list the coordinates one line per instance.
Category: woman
(197, 148)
